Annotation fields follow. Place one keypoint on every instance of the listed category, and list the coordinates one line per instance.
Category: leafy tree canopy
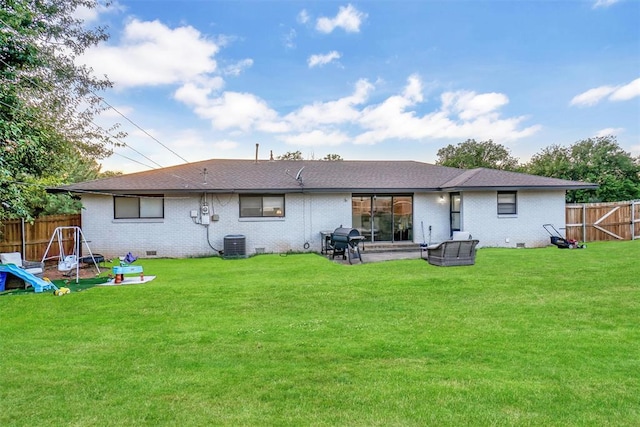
(291, 155)
(47, 101)
(598, 160)
(332, 157)
(471, 154)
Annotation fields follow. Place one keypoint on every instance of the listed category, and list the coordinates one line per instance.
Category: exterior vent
(520, 245)
(152, 253)
(234, 246)
(259, 250)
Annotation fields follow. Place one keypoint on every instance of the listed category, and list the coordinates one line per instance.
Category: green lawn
(524, 337)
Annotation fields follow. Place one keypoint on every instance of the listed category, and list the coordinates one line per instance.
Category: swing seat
(68, 263)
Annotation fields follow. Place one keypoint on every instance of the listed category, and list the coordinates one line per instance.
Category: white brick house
(279, 206)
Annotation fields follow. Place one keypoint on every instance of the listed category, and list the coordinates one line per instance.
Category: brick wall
(535, 208)
(430, 210)
(177, 235)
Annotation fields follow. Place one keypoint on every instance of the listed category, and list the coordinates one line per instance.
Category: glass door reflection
(383, 218)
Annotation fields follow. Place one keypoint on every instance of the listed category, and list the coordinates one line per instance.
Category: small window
(507, 203)
(138, 207)
(455, 203)
(261, 206)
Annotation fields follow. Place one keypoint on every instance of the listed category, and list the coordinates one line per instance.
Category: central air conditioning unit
(235, 246)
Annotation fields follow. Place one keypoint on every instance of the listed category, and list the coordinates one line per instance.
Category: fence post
(584, 222)
(632, 205)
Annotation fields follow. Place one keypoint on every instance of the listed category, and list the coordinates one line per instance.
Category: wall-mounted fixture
(204, 209)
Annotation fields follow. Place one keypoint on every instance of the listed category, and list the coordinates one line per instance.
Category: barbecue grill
(345, 242)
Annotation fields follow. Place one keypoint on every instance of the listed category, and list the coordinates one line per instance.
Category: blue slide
(38, 284)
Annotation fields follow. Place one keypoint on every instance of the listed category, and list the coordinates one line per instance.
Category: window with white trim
(127, 207)
(259, 206)
(507, 203)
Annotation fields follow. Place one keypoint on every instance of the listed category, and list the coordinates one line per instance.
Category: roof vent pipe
(257, 145)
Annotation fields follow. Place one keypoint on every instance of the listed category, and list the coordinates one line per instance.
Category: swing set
(69, 262)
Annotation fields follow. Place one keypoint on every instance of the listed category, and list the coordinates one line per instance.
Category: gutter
(522, 187)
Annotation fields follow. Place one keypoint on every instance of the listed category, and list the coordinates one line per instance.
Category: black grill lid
(346, 232)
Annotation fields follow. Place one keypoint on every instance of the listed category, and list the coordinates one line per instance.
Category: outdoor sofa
(452, 252)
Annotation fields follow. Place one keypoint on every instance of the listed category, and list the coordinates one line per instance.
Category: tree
(332, 157)
(554, 161)
(76, 169)
(471, 154)
(291, 155)
(598, 160)
(601, 160)
(47, 101)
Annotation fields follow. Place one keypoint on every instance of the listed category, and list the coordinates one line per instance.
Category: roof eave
(522, 187)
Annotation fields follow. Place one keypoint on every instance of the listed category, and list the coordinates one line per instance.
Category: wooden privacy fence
(591, 222)
(32, 239)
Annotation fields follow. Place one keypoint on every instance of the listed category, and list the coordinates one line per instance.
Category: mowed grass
(524, 337)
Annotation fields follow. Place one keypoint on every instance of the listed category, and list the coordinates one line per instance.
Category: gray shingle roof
(246, 176)
(483, 178)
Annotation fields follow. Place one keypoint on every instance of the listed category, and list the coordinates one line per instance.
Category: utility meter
(204, 209)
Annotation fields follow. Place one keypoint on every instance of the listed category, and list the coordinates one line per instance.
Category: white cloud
(609, 131)
(413, 90)
(92, 14)
(469, 105)
(333, 112)
(197, 94)
(319, 60)
(153, 54)
(626, 92)
(317, 138)
(238, 110)
(604, 3)
(289, 39)
(348, 18)
(614, 93)
(592, 96)
(463, 114)
(237, 68)
(303, 17)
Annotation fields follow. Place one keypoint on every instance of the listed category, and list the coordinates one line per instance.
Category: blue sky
(368, 80)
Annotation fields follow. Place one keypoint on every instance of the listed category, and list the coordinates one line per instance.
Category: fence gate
(591, 222)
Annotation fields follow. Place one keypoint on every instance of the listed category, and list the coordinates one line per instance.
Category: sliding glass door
(384, 218)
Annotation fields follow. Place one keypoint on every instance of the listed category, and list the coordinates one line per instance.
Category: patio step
(390, 247)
